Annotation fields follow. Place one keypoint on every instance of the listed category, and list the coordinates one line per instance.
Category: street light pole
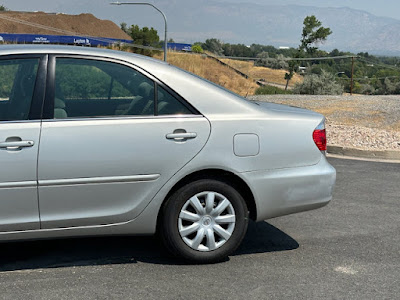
(165, 20)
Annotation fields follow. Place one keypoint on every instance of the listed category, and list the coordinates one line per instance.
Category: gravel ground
(361, 122)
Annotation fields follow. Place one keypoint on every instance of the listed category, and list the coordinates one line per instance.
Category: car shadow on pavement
(260, 238)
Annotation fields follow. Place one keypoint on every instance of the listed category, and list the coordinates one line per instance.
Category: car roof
(61, 49)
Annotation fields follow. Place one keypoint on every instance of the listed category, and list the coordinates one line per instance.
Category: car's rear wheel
(204, 221)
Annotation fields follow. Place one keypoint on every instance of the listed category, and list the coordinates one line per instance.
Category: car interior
(125, 92)
(16, 89)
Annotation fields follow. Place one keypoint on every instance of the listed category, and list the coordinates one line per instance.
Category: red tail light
(319, 137)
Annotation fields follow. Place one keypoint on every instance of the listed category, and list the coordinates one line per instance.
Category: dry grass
(269, 75)
(213, 71)
(243, 66)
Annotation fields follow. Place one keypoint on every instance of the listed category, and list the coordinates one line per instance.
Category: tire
(204, 221)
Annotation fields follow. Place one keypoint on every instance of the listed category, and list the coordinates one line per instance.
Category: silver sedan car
(101, 142)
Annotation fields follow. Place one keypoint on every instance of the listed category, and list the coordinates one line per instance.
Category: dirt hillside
(267, 74)
(211, 70)
(83, 24)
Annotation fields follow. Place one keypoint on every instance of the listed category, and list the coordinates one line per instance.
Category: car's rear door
(22, 81)
(113, 137)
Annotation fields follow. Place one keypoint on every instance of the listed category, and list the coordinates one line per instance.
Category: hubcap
(206, 221)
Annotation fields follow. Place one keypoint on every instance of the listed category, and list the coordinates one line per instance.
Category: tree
(293, 66)
(213, 45)
(144, 36)
(124, 27)
(389, 86)
(238, 50)
(335, 52)
(3, 8)
(279, 62)
(313, 33)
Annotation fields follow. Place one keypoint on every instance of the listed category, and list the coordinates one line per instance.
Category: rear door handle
(16, 144)
(181, 136)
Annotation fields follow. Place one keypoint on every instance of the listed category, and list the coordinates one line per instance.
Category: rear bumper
(286, 191)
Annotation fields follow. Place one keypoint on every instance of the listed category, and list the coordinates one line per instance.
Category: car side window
(169, 105)
(17, 83)
(95, 88)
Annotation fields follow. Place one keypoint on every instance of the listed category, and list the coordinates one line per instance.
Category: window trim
(155, 99)
(48, 110)
(122, 117)
(38, 95)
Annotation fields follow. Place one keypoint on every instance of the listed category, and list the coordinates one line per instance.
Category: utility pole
(352, 74)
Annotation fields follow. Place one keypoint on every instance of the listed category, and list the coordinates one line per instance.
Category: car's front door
(115, 138)
(20, 106)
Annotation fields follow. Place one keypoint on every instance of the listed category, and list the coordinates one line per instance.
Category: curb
(345, 151)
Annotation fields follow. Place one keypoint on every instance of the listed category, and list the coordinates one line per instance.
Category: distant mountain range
(278, 25)
(247, 23)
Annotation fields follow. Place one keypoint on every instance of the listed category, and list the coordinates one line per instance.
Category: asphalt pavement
(349, 249)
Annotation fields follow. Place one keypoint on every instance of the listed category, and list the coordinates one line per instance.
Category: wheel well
(221, 175)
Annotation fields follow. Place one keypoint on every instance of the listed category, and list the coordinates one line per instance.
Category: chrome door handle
(181, 136)
(16, 144)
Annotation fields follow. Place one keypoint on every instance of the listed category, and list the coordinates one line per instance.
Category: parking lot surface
(349, 249)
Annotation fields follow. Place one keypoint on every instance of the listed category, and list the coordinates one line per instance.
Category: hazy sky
(147, 16)
(388, 8)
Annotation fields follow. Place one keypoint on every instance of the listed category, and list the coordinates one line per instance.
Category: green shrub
(270, 90)
(197, 49)
(315, 84)
(366, 89)
(278, 63)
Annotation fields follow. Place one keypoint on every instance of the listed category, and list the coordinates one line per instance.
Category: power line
(7, 18)
(368, 78)
(143, 47)
(39, 25)
(16, 20)
(287, 58)
(67, 32)
(324, 58)
(380, 65)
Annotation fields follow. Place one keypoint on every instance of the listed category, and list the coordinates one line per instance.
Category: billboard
(179, 47)
(22, 38)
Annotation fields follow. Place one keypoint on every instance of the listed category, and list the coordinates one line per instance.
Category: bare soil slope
(267, 74)
(83, 24)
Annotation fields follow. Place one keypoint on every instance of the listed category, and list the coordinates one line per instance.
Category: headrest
(58, 103)
(144, 89)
